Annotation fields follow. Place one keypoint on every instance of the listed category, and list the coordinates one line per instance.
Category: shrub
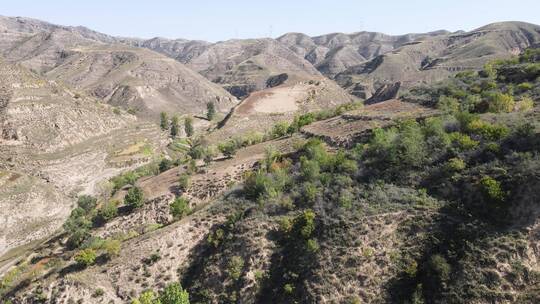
(492, 189)
(210, 111)
(525, 104)
(228, 148)
(488, 131)
(312, 245)
(455, 165)
(106, 212)
(525, 86)
(164, 121)
(174, 294)
(499, 102)
(86, 257)
(98, 293)
(174, 126)
(438, 270)
(184, 181)
(134, 197)
(87, 202)
(448, 104)
(463, 141)
(179, 207)
(288, 289)
(188, 126)
(165, 164)
(280, 129)
(147, 297)
(235, 267)
(111, 247)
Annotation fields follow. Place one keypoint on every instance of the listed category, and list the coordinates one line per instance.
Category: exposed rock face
(435, 58)
(276, 80)
(386, 92)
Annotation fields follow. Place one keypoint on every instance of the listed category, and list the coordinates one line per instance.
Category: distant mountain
(334, 53)
(435, 58)
(130, 77)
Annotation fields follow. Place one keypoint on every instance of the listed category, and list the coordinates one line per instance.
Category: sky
(216, 20)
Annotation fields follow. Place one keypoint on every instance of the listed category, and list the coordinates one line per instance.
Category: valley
(340, 168)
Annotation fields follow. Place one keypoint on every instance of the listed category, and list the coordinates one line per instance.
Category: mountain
(334, 53)
(435, 58)
(133, 78)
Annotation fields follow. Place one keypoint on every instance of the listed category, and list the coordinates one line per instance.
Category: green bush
(174, 294)
(492, 189)
(184, 181)
(455, 165)
(463, 141)
(87, 202)
(174, 126)
(488, 131)
(210, 111)
(179, 207)
(499, 103)
(165, 164)
(86, 257)
(235, 267)
(134, 197)
(228, 148)
(438, 269)
(164, 121)
(188, 126)
(525, 104)
(106, 212)
(280, 129)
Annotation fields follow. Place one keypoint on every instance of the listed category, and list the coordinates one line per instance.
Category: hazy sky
(215, 20)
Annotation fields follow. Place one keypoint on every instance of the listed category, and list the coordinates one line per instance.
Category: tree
(86, 257)
(87, 202)
(174, 294)
(179, 207)
(164, 121)
(134, 197)
(188, 126)
(107, 212)
(174, 126)
(210, 111)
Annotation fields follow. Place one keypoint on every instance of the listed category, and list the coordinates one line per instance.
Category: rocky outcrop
(385, 92)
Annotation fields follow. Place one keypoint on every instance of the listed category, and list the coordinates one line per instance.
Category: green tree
(164, 121)
(235, 267)
(210, 111)
(106, 212)
(188, 126)
(134, 197)
(174, 126)
(87, 202)
(179, 207)
(174, 294)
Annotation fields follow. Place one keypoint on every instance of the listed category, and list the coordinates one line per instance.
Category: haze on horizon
(214, 20)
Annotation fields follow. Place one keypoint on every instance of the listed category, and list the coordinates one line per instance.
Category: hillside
(135, 79)
(435, 58)
(432, 200)
(334, 53)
